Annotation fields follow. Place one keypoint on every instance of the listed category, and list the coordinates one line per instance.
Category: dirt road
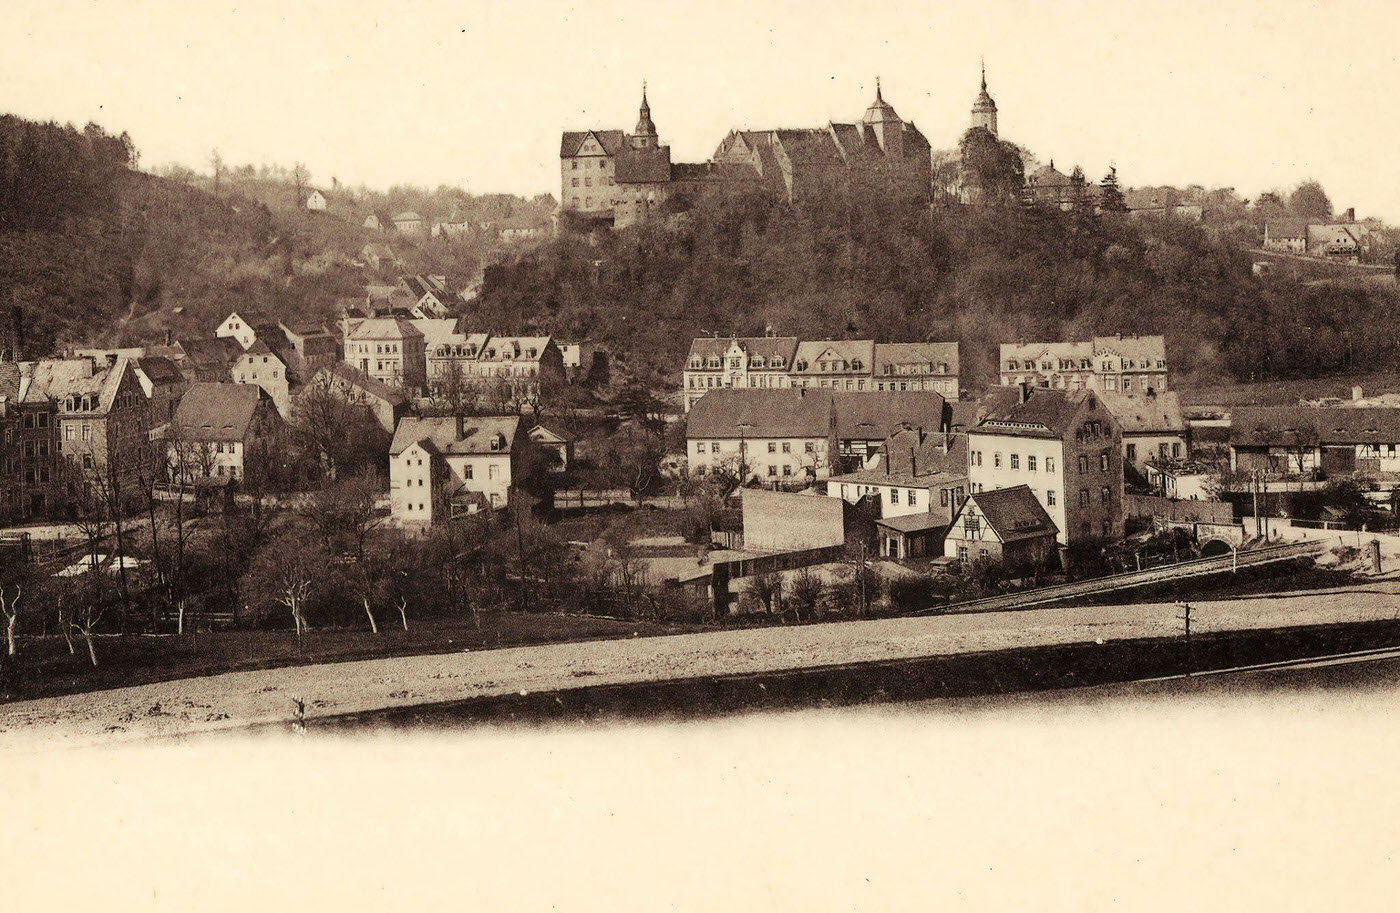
(239, 699)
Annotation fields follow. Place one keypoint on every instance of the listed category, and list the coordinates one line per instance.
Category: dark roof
(1014, 513)
(1045, 413)
(913, 523)
(922, 353)
(714, 171)
(217, 412)
(1286, 228)
(1284, 426)
(735, 414)
(477, 434)
(643, 166)
(875, 416)
(363, 381)
(569, 145)
(160, 369)
(813, 146)
(931, 463)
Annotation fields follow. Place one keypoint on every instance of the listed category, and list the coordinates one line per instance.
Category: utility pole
(1185, 619)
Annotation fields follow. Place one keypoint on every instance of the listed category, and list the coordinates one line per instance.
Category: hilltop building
(1115, 364)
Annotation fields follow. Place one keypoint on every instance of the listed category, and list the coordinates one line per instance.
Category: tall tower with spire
(644, 137)
(984, 110)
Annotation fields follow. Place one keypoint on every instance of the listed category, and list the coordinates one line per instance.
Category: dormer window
(757, 361)
(1011, 365)
(856, 365)
(697, 363)
(777, 361)
(801, 365)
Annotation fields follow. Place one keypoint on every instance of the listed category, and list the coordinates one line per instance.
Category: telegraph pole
(1185, 619)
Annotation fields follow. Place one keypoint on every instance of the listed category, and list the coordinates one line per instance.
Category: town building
(1286, 235)
(217, 431)
(773, 362)
(1115, 364)
(1065, 446)
(316, 201)
(384, 403)
(315, 346)
(623, 178)
(737, 363)
(1009, 526)
(442, 468)
(429, 295)
(864, 422)
(984, 109)
(31, 474)
(163, 384)
(1336, 440)
(915, 485)
(779, 437)
(260, 366)
(389, 349)
(239, 328)
(408, 223)
(517, 367)
(1152, 424)
(104, 420)
(556, 443)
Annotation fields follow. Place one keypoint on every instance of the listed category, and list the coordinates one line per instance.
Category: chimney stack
(913, 463)
(1023, 392)
(1355, 393)
(169, 337)
(461, 426)
(1349, 215)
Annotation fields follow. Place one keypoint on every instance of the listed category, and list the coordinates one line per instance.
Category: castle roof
(610, 140)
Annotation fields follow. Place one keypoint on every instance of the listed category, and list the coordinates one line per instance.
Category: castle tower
(984, 110)
(645, 135)
(889, 129)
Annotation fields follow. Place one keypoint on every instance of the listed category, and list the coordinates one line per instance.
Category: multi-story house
(314, 345)
(441, 468)
(429, 295)
(351, 385)
(1065, 446)
(450, 352)
(389, 349)
(104, 419)
(1154, 429)
(1008, 525)
(779, 437)
(217, 431)
(521, 365)
(30, 472)
(917, 366)
(865, 422)
(916, 484)
(238, 327)
(260, 366)
(163, 384)
(747, 362)
(1116, 364)
(834, 364)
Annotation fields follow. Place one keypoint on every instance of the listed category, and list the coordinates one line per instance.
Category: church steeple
(645, 134)
(984, 110)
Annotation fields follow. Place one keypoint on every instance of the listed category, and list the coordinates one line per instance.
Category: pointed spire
(984, 74)
(644, 95)
(879, 99)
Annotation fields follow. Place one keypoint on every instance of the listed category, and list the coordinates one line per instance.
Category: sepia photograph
(769, 455)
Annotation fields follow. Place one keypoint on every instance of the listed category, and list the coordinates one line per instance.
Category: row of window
(602, 163)
(1068, 364)
(1173, 450)
(807, 446)
(603, 181)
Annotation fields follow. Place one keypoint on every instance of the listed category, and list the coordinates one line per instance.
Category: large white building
(1115, 364)
(441, 468)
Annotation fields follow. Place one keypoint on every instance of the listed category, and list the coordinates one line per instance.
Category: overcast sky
(1245, 94)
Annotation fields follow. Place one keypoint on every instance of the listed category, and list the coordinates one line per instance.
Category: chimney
(1023, 392)
(1355, 394)
(461, 427)
(111, 359)
(17, 329)
(921, 435)
(913, 463)
(1349, 215)
(169, 337)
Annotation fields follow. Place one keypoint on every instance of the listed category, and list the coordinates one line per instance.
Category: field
(45, 667)
(1288, 392)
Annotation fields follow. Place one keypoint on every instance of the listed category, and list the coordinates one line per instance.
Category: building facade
(442, 468)
(1115, 364)
(389, 349)
(1066, 447)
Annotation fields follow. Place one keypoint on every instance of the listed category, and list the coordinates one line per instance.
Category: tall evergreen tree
(1110, 194)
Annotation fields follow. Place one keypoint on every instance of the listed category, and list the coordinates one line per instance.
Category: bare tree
(347, 510)
(9, 607)
(292, 583)
(805, 593)
(216, 164)
(301, 177)
(766, 588)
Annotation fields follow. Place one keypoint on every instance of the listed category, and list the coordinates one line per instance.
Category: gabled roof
(930, 465)
(216, 412)
(811, 146)
(59, 378)
(516, 346)
(733, 414)
(1286, 229)
(385, 328)
(1139, 348)
(159, 369)
(848, 350)
(408, 216)
(359, 379)
(1140, 413)
(541, 433)
(1290, 426)
(765, 347)
(1014, 513)
(479, 432)
(922, 353)
(875, 416)
(1021, 351)
(610, 140)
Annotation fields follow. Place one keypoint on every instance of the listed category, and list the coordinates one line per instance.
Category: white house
(440, 468)
(316, 201)
(237, 328)
(260, 366)
(1008, 525)
(1153, 426)
(775, 436)
(213, 428)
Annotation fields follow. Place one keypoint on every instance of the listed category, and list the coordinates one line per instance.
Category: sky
(1250, 95)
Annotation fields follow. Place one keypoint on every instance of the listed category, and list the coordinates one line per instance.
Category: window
(87, 431)
(1107, 529)
(1162, 450)
(787, 447)
(1176, 450)
(1132, 453)
(1104, 495)
(1030, 463)
(68, 432)
(772, 470)
(87, 461)
(809, 447)
(894, 495)
(468, 472)
(1015, 461)
(943, 497)
(700, 447)
(1050, 497)
(493, 471)
(1083, 463)
(1103, 461)
(996, 461)
(787, 470)
(772, 447)
(1083, 497)
(1049, 464)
